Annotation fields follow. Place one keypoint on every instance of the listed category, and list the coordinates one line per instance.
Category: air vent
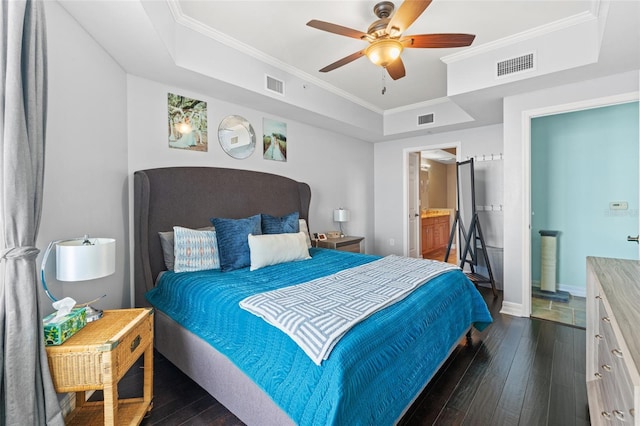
(515, 65)
(425, 119)
(274, 85)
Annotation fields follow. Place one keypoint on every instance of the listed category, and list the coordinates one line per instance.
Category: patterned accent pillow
(167, 241)
(280, 225)
(195, 250)
(233, 243)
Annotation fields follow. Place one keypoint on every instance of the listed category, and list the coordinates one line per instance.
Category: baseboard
(513, 309)
(571, 289)
(67, 402)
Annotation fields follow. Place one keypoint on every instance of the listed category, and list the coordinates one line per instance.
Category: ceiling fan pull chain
(384, 86)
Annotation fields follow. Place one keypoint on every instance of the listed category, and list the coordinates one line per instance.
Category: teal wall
(580, 162)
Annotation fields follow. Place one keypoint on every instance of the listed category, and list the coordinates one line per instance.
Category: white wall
(390, 208)
(338, 168)
(85, 185)
(517, 113)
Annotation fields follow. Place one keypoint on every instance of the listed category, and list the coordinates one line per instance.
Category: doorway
(584, 202)
(435, 189)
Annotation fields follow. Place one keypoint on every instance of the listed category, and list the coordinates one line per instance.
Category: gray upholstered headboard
(190, 196)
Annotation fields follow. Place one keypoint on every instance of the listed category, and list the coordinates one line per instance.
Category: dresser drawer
(618, 396)
(622, 379)
(613, 347)
(353, 248)
(614, 407)
(131, 345)
(624, 387)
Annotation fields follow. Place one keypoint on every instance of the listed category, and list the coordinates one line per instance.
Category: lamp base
(93, 314)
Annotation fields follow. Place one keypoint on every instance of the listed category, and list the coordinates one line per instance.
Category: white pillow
(271, 249)
(305, 229)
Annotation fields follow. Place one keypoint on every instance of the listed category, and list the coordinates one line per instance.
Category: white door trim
(414, 205)
(527, 115)
(405, 177)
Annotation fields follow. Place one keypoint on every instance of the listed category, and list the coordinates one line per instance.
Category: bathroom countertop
(434, 213)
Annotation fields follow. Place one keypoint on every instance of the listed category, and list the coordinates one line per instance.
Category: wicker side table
(97, 357)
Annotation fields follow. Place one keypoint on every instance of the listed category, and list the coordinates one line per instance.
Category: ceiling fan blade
(437, 40)
(396, 69)
(343, 61)
(336, 29)
(406, 14)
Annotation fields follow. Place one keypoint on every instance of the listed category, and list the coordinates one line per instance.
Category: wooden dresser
(613, 340)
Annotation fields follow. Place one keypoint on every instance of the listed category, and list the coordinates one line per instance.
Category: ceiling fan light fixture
(384, 52)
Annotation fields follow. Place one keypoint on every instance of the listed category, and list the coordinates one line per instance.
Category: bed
(250, 366)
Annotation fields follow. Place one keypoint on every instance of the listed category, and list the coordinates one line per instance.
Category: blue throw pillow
(233, 240)
(280, 225)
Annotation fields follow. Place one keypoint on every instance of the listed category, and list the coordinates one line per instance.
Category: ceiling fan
(386, 39)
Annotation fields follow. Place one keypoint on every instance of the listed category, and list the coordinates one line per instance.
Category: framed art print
(187, 120)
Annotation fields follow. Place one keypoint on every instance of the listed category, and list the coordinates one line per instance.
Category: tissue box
(55, 333)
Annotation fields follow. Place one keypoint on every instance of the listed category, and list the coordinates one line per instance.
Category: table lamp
(81, 259)
(341, 215)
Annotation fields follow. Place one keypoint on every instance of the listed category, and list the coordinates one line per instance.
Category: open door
(584, 196)
(413, 188)
(427, 198)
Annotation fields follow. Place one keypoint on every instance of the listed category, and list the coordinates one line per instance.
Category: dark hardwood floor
(519, 371)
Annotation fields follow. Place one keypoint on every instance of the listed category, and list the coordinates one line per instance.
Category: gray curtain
(27, 396)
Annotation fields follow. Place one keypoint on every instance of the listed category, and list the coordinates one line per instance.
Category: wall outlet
(392, 242)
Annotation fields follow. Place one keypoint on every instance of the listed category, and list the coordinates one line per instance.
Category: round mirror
(236, 136)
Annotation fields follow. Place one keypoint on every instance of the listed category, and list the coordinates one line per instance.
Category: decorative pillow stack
(231, 244)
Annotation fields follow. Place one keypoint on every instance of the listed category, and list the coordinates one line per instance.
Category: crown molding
(182, 19)
(531, 34)
(418, 105)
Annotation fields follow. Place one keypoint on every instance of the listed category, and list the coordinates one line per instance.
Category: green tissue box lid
(65, 327)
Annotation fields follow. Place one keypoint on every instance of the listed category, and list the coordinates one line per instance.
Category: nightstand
(351, 244)
(97, 357)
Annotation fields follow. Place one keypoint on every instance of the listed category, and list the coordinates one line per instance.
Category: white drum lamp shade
(341, 215)
(78, 261)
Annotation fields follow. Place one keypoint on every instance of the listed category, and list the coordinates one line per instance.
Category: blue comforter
(372, 375)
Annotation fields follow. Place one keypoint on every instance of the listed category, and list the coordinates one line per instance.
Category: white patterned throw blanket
(316, 314)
